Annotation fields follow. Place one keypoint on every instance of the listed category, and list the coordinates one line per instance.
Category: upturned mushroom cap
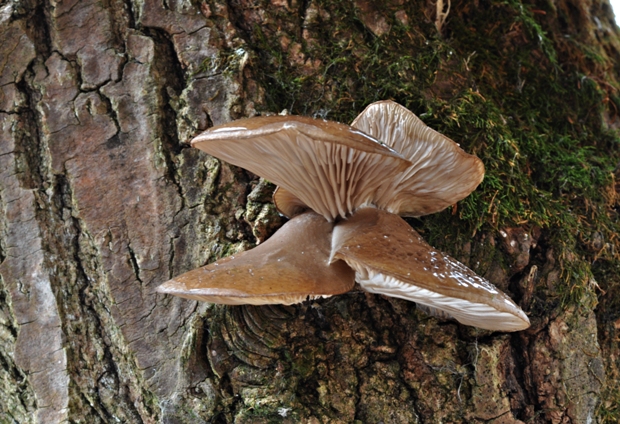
(441, 172)
(290, 267)
(331, 167)
(390, 258)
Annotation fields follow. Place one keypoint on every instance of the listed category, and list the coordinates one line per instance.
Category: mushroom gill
(331, 167)
(345, 190)
(440, 174)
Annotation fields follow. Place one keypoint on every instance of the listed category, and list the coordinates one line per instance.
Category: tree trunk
(102, 200)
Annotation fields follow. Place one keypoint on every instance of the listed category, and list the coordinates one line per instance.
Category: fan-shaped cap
(390, 258)
(331, 167)
(291, 266)
(441, 172)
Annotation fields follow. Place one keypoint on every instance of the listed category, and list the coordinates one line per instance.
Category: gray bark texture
(102, 200)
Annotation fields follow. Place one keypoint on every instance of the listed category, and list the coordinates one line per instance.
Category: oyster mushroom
(440, 172)
(330, 167)
(391, 258)
(291, 266)
(355, 186)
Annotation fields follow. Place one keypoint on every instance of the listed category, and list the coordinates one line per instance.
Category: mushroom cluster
(345, 189)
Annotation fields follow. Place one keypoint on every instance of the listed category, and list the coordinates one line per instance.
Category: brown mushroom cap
(291, 266)
(441, 172)
(287, 203)
(331, 167)
(390, 258)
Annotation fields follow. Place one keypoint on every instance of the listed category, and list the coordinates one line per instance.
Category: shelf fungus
(345, 189)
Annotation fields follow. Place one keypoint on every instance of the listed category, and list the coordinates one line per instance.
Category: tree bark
(102, 200)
